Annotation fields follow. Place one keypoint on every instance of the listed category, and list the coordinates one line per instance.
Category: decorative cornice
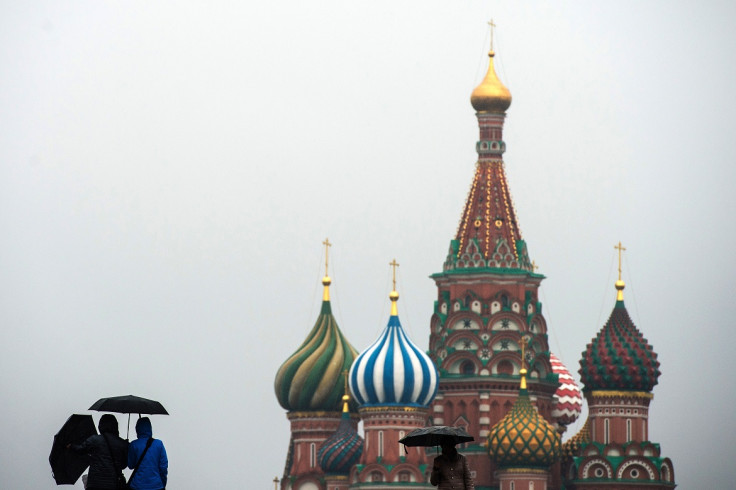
(312, 415)
(619, 393)
(535, 471)
(385, 408)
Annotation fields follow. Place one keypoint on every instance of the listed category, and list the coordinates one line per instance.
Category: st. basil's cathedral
(488, 370)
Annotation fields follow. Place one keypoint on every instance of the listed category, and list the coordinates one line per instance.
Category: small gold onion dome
(523, 438)
(491, 95)
(326, 281)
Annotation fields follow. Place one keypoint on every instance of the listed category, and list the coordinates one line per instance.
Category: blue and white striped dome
(393, 371)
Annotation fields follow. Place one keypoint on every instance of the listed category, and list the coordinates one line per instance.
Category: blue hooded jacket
(154, 469)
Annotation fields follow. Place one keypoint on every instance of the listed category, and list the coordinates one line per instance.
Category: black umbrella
(67, 466)
(129, 404)
(437, 435)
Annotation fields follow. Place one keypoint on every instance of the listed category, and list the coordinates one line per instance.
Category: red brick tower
(618, 370)
(393, 382)
(310, 385)
(487, 301)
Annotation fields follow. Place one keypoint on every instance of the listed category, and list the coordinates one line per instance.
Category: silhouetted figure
(108, 455)
(147, 458)
(450, 470)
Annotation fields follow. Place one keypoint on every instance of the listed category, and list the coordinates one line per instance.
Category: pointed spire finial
(326, 281)
(523, 343)
(394, 295)
(346, 396)
(620, 283)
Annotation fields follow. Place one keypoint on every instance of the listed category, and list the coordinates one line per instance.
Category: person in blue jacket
(153, 469)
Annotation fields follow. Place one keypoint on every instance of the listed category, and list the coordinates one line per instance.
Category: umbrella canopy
(437, 435)
(129, 404)
(67, 466)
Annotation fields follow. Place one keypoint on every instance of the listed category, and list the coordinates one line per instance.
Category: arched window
(467, 367)
(628, 430)
(606, 431)
(401, 436)
(312, 455)
(505, 367)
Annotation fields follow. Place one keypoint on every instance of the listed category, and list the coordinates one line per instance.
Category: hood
(143, 428)
(109, 424)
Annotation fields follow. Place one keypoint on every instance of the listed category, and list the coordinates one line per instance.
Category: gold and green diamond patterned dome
(313, 377)
(523, 438)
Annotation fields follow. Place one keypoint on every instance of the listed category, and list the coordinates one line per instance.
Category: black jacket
(104, 468)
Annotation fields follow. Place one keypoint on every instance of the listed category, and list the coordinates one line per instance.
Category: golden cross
(620, 249)
(534, 266)
(394, 265)
(490, 23)
(327, 245)
(524, 341)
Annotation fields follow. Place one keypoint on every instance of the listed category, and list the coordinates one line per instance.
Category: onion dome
(313, 377)
(619, 357)
(571, 447)
(491, 95)
(568, 401)
(523, 438)
(343, 448)
(393, 371)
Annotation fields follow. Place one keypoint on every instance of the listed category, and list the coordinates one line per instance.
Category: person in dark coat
(450, 470)
(153, 470)
(108, 455)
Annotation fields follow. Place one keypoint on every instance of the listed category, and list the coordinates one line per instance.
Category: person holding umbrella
(147, 458)
(450, 469)
(108, 455)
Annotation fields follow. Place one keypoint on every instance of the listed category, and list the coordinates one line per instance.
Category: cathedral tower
(523, 445)
(487, 300)
(618, 370)
(310, 385)
(393, 382)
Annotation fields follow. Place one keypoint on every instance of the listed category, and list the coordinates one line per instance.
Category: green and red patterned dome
(342, 449)
(523, 438)
(313, 377)
(619, 357)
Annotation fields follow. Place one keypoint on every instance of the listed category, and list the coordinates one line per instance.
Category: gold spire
(326, 281)
(619, 284)
(522, 371)
(491, 95)
(345, 397)
(394, 295)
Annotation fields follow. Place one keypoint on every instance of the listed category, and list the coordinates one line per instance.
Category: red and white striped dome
(568, 399)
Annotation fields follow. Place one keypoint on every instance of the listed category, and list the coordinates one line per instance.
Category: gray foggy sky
(168, 171)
